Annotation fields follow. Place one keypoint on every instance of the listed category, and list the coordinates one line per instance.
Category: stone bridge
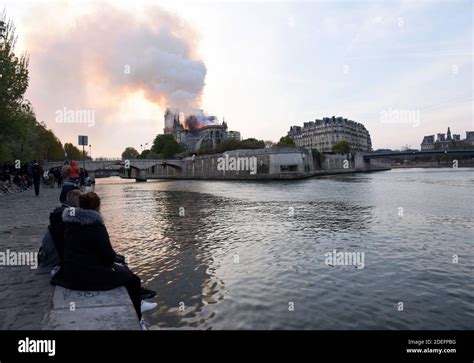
(395, 154)
(130, 168)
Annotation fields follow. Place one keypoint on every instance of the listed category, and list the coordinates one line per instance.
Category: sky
(402, 68)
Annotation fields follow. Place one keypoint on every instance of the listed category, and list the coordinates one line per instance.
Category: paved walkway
(25, 293)
(27, 299)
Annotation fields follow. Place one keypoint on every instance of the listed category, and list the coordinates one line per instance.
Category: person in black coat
(52, 246)
(66, 188)
(88, 257)
(37, 171)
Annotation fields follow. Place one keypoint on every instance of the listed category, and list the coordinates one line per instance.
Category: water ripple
(247, 255)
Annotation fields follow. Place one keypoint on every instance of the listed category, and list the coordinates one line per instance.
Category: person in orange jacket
(73, 171)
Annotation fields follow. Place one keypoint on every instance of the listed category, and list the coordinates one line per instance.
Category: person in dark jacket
(67, 187)
(52, 246)
(37, 171)
(59, 177)
(89, 259)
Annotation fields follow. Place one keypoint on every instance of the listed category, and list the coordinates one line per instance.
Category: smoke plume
(108, 60)
(110, 52)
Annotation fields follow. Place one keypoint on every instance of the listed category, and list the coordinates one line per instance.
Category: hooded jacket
(52, 245)
(88, 257)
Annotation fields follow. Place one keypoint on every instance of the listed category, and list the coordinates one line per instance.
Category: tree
(229, 144)
(171, 148)
(15, 124)
(72, 152)
(232, 144)
(341, 147)
(21, 135)
(145, 153)
(252, 143)
(205, 149)
(285, 141)
(159, 143)
(14, 71)
(23, 140)
(130, 153)
(49, 146)
(166, 146)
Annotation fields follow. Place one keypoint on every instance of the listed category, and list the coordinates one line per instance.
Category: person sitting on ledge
(90, 261)
(52, 245)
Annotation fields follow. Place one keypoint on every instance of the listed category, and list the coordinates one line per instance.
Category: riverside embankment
(27, 299)
(25, 291)
(257, 164)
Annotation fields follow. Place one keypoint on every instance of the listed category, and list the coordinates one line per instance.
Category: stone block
(63, 298)
(92, 310)
(94, 318)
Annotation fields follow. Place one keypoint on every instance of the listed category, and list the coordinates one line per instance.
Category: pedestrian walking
(59, 177)
(64, 169)
(37, 172)
(51, 179)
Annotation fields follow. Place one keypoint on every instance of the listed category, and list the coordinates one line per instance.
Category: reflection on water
(238, 255)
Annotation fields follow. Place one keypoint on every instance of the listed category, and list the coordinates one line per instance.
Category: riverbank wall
(258, 164)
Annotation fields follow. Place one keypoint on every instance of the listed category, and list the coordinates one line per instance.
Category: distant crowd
(32, 175)
(76, 245)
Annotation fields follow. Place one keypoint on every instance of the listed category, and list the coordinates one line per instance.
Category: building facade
(234, 135)
(428, 143)
(447, 141)
(469, 138)
(323, 134)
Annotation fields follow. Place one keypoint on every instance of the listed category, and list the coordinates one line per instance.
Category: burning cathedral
(196, 130)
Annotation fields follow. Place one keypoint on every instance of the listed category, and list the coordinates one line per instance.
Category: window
(284, 168)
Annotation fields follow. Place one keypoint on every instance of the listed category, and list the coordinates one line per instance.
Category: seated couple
(84, 253)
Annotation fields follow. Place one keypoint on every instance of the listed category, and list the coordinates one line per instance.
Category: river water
(253, 255)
